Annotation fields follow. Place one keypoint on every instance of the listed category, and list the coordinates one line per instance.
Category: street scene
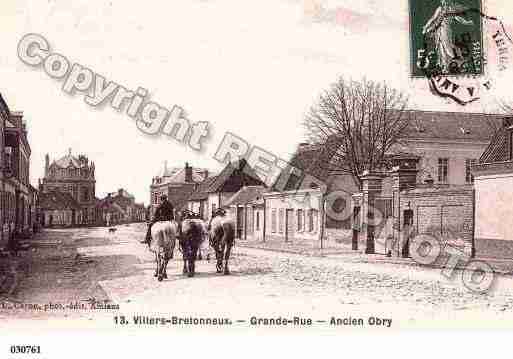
(78, 265)
(285, 165)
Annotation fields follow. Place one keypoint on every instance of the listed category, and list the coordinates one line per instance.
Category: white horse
(163, 240)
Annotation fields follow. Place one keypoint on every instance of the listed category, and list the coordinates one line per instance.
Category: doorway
(356, 228)
(289, 224)
(240, 221)
(408, 223)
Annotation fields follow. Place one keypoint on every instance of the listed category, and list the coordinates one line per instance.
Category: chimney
(205, 174)
(188, 172)
(47, 164)
(120, 192)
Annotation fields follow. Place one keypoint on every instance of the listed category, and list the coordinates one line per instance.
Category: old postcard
(285, 166)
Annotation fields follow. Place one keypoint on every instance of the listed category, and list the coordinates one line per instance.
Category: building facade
(17, 195)
(75, 176)
(120, 207)
(216, 191)
(494, 196)
(177, 183)
(293, 215)
(448, 143)
(247, 207)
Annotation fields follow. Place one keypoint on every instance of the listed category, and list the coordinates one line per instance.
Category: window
(299, 220)
(315, 219)
(85, 194)
(273, 221)
(469, 162)
(443, 170)
(281, 222)
(257, 220)
(8, 158)
(310, 221)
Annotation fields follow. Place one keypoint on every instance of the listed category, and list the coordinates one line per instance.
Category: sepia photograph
(298, 168)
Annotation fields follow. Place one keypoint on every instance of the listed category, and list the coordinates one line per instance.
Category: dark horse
(222, 238)
(193, 233)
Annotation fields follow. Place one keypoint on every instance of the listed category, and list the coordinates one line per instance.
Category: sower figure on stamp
(164, 212)
(440, 28)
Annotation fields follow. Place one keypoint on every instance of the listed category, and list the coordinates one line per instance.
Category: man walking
(164, 212)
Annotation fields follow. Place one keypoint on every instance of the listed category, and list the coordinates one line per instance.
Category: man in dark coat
(164, 212)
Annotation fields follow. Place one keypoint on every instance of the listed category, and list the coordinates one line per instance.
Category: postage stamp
(463, 52)
(446, 37)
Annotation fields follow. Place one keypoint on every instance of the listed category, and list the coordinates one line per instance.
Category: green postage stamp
(446, 38)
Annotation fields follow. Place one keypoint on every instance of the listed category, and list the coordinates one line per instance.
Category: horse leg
(226, 258)
(162, 264)
(157, 265)
(184, 271)
(219, 256)
(184, 257)
(192, 259)
(164, 274)
(191, 267)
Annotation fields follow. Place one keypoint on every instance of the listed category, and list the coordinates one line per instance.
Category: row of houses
(448, 173)
(67, 196)
(17, 197)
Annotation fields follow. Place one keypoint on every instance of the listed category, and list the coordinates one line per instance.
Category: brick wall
(444, 212)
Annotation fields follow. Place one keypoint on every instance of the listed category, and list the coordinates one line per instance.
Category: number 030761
(25, 349)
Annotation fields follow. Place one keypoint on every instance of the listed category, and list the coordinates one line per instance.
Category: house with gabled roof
(215, 192)
(247, 206)
(448, 143)
(132, 212)
(110, 212)
(294, 207)
(177, 183)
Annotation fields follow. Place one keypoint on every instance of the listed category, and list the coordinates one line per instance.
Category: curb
(370, 260)
(291, 251)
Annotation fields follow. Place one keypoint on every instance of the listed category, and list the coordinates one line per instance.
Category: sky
(249, 67)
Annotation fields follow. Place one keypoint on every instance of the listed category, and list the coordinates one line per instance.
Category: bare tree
(364, 119)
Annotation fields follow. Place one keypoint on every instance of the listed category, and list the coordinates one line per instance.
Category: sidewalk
(8, 275)
(334, 249)
(9, 264)
(303, 247)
